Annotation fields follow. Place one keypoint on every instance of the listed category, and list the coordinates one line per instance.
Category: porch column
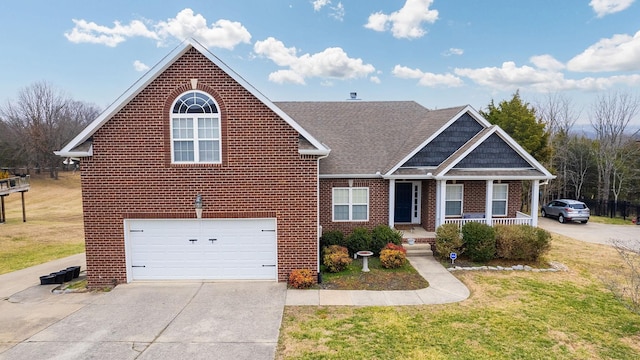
(441, 201)
(392, 202)
(535, 191)
(488, 203)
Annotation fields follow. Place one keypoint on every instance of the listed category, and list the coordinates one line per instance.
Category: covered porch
(429, 202)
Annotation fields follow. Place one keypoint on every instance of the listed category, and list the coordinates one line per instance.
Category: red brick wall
(378, 204)
(130, 174)
(428, 215)
(475, 194)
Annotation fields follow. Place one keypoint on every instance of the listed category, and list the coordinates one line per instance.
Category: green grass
(509, 315)
(542, 321)
(611, 221)
(54, 227)
(36, 254)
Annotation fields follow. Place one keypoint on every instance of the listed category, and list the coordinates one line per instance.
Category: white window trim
(506, 200)
(195, 139)
(461, 186)
(351, 204)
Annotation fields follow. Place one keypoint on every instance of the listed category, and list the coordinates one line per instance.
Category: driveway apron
(174, 320)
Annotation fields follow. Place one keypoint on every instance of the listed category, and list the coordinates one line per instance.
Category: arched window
(195, 129)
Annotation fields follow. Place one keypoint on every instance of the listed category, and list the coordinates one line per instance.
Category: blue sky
(440, 53)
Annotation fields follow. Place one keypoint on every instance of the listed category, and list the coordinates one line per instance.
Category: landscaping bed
(378, 278)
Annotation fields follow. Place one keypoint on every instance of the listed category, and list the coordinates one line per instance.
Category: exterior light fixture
(198, 206)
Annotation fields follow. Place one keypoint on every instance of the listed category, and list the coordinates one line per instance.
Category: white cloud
(509, 75)
(222, 34)
(319, 4)
(330, 63)
(618, 53)
(606, 7)
(540, 79)
(90, 32)
(427, 78)
(453, 51)
(546, 62)
(338, 12)
(406, 22)
(375, 80)
(140, 66)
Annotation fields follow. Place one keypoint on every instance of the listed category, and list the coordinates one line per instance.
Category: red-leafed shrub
(392, 246)
(336, 258)
(301, 278)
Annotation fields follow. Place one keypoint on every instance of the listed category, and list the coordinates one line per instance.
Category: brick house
(194, 174)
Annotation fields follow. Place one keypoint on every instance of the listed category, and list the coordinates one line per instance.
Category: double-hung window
(195, 129)
(351, 204)
(499, 201)
(453, 200)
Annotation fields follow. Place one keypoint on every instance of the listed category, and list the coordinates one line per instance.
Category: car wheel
(543, 213)
(561, 219)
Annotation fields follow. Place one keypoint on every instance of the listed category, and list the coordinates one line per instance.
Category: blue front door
(404, 199)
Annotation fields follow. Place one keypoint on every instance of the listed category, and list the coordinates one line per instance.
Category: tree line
(41, 120)
(601, 164)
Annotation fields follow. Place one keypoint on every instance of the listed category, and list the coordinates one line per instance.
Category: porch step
(418, 249)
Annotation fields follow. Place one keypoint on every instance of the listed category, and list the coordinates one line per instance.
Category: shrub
(336, 258)
(301, 278)
(392, 259)
(480, 241)
(521, 242)
(359, 239)
(448, 240)
(392, 246)
(382, 235)
(332, 237)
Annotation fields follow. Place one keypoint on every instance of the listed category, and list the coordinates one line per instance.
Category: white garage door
(216, 249)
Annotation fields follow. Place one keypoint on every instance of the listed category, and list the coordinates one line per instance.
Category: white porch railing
(520, 219)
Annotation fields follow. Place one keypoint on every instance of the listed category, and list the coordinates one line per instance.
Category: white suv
(567, 210)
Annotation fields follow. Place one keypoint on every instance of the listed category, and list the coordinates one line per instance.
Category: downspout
(319, 227)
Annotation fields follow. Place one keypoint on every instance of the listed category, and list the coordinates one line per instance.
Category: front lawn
(509, 315)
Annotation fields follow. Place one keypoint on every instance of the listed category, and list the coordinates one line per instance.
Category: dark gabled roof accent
(446, 143)
(366, 137)
(493, 153)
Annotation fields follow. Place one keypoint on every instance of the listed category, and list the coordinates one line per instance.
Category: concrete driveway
(627, 235)
(175, 320)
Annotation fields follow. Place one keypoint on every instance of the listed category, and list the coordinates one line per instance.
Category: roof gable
(446, 143)
(72, 148)
(493, 152)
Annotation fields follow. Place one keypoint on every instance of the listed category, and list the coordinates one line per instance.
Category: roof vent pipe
(353, 95)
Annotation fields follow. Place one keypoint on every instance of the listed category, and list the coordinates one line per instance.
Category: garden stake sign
(453, 256)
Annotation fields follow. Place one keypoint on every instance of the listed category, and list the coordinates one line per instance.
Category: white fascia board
(74, 154)
(468, 151)
(493, 177)
(350, 176)
(317, 152)
(158, 69)
(466, 109)
(408, 177)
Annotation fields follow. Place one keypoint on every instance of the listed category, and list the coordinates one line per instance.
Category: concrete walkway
(443, 288)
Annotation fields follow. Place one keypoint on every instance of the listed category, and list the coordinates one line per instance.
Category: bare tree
(578, 160)
(557, 112)
(43, 120)
(610, 117)
(626, 287)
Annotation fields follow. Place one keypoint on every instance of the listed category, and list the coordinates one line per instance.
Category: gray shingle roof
(367, 136)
